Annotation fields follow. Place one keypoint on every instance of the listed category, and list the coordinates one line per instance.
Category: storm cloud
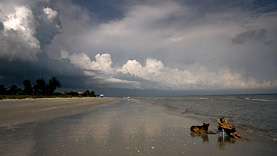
(27, 27)
(147, 45)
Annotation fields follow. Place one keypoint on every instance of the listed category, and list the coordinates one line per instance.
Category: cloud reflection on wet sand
(127, 127)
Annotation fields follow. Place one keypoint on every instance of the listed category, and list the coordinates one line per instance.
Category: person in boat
(230, 129)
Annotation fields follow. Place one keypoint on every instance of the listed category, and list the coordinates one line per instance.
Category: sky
(141, 47)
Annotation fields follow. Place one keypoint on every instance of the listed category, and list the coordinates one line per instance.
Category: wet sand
(125, 127)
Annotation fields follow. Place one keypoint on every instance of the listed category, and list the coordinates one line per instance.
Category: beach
(117, 127)
(17, 111)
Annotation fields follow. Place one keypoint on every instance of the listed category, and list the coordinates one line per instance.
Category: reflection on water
(203, 136)
(222, 141)
(225, 140)
(16, 141)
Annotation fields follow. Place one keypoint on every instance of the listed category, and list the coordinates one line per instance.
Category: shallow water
(127, 127)
(255, 113)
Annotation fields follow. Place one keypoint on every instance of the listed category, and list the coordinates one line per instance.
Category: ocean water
(254, 113)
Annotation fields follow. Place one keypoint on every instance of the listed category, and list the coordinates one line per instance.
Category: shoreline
(20, 111)
(208, 115)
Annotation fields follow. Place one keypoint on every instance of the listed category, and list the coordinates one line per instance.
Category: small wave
(263, 100)
(204, 98)
(185, 112)
(169, 107)
(270, 134)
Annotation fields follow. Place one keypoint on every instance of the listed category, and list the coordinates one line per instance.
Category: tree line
(87, 93)
(40, 88)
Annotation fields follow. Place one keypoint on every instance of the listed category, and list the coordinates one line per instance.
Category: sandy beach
(18, 111)
(119, 127)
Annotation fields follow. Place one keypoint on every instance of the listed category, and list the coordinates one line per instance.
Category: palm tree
(28, 87)
(52, 85)
(40, 88)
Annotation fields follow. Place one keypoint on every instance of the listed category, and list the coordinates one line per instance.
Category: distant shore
(18, 111)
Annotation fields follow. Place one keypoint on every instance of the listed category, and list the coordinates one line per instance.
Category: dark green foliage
(52, 85)
(72, 93)
(40, 87)
(28, 89)
(40, 90)
(87, 93)
(14, 90)
(92, 94)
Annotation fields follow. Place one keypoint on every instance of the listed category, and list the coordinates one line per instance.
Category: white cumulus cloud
(50, 13)
(201, 78)
(162, 77)
(102, 63)
(100, 69)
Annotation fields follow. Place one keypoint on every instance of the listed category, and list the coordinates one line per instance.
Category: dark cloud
(257, 6)
(251, 35)
(103, 11)
(15, 72)
(1, 26)
(47, 28)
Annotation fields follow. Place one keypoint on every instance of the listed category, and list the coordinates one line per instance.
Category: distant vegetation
(40, 90)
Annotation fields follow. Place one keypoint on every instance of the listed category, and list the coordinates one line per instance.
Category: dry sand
(18, 111)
